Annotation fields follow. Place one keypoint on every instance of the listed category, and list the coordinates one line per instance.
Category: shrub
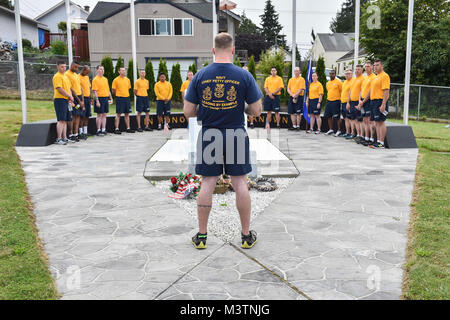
(269, 60)
(119, 64)
(150, 76)
(58, 48)
(26, 44)
(237, 62)
(163, 68)
(175, 80)
(252, 66)
(193, 68)
(109, 69)
(130, 76)
(320, 70)
(206, 64)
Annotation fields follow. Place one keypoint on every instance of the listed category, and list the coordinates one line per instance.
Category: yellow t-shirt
(185, 85)
(355, 89)
(345, 89)
(334, 88)
(85, 85)
(60, 81)
(101, 85)
(315, 90)
(74, 81)
(122, 87)
(273, 84)
(377, 86)
(366, 85)
(163, 90)
(141, 85)
(295, 84)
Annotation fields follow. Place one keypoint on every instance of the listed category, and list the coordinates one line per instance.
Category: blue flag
(308, 80)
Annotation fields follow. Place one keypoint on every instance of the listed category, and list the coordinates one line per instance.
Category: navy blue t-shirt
(221, 90)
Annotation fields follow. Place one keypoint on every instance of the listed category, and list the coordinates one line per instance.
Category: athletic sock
(366, 138)
(80, 130)
(103, 130)
(372, 139)
(85, 129)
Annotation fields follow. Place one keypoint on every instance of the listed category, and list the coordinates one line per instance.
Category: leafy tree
(150, 76)
(272, 27)
(430, 40)
(107, 63)
(175, 80)
(271, 59)
(62, 25)
(130, 75)
(119, 64)
(253, 43)
(320, 70)
(6, 4)
(252, 66)
(344, 22)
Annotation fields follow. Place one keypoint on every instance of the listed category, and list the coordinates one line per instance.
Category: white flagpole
(408, 61)
(133, 45)
(69, 32)
(294, 33)
(357, 15)
(214, 14)
(21, 70)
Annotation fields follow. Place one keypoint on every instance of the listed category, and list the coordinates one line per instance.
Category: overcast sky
(310, 14)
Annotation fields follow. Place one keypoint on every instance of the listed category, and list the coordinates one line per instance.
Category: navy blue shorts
(104, 105)
(76, 110)
(353, 113)
(295, 108)
(272, 104)
(333, 109)
(123, 105)
(62, 109)
(366, 110)
(230, 156)
(312, 109)
(376, 114)
(162, 109)
(87, 108)
(344, 111)
(142, 104)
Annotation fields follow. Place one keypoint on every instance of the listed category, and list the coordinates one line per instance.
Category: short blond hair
(223, 41)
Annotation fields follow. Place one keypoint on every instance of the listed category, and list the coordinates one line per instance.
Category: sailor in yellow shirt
(86, 114)
(103, 98)
(333, 108)
(344, 99)
(78, 108)
(296, 90)
(61, 99)
(379, 97)
(273, 86)
(121, 89)
(185, 84)
(163, 91)
(354, 114)
(141, 87)
(313, 103)
(364, 105)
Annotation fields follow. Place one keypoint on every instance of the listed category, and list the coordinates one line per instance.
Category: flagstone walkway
(337, 232)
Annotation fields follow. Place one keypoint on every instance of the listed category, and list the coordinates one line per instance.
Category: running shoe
(199, 241)
(317, 132)
(61, 142)
(377, 145)
(350, 137)
(117, 131)
(252, 126)
(330, 132)
(338, 134)
(248, 241)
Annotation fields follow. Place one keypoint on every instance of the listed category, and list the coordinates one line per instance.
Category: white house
(332, 46)
(347, 61)
(57, 13)
(30, 27)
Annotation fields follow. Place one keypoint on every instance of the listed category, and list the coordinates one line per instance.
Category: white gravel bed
(224, 220)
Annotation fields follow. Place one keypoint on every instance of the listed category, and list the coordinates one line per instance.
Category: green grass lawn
(428, 266)
(24, 273)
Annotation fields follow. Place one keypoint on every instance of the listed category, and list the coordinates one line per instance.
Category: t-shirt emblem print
(231, 94)
(207, 94)
(219, 91)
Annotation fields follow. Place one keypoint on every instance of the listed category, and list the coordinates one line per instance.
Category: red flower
(173, 180)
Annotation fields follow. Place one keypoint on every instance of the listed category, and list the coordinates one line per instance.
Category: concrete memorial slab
(337, 232)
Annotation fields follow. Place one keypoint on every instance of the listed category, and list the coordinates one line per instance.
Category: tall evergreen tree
(150, 76)
(252, 66)
(119, 64)
(6, 4)
(131, 76)
(320, 70)
(247, 26)
(107, 63)
(271, 26)
(344, 22)
(175, 80)
(163, 68)
(237, 62)
(193, 68)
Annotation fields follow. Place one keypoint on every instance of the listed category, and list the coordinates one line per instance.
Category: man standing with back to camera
(220, 91)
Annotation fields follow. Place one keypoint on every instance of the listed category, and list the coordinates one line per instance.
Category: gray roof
(203, 11)
(351, 54)
(337, 41)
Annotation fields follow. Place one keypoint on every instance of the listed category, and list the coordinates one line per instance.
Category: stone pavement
(338, 232)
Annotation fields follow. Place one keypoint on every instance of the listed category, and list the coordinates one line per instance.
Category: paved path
(338, 232)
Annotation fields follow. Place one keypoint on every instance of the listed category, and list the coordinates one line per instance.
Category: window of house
(182, 27)
(155, 27)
